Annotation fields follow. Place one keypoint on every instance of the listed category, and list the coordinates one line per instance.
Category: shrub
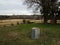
(24, 21)
(12, 24)
(17, 23)
(28, 22)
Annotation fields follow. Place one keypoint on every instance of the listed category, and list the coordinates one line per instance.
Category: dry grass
(14, 21)
(11, 21)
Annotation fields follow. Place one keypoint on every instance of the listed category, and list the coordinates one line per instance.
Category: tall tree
(47, 7)
(53, 10)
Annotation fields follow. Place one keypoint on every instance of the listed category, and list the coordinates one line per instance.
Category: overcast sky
(14, 7)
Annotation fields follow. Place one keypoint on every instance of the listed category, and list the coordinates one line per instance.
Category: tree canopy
(46, 7)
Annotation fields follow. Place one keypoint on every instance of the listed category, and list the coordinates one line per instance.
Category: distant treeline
(37, 17)
(2, 17)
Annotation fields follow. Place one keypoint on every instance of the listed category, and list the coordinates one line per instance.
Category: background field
(21, 34)
(14, 21)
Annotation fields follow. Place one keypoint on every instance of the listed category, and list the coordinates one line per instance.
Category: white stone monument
(35, 33)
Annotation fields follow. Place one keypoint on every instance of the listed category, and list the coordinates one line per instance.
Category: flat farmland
(10, 21)
(15, 21)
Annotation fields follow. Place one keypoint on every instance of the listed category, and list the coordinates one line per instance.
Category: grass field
(14, 21)
(21, 34)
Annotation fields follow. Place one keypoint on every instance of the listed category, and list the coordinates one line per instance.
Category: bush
(17, 23)
(24, 21)
(12, 24)
(28, 22)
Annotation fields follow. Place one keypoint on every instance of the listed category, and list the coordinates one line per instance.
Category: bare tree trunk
(45, 18)
(53, 19)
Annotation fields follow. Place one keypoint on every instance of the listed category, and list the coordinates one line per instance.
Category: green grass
(21, 35)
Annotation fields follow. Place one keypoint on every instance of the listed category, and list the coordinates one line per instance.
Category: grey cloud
(13, 6)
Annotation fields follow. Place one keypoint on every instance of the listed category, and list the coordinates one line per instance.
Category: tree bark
(45, 18)
(53, 19)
